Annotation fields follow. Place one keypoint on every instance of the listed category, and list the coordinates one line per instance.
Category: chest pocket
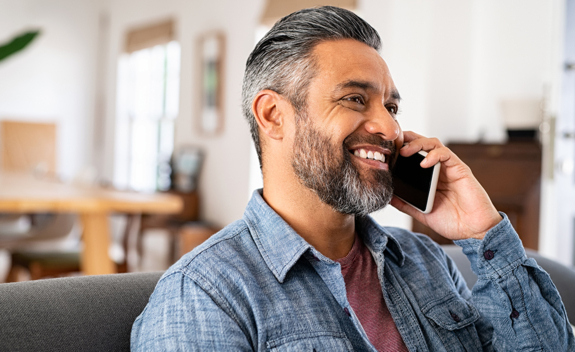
(453, 318)
(311, 342)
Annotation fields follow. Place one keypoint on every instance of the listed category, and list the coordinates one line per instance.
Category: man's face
(347, 137)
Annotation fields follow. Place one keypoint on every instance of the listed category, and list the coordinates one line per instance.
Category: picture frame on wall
(186, 167)
(211, 58)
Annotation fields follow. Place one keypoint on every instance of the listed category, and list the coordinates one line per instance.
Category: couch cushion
(90, 313)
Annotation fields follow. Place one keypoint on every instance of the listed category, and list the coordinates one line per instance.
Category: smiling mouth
(371, 150)
(377, 159)
(369, 155)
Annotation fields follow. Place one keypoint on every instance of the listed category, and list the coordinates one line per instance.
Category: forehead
(350, 60)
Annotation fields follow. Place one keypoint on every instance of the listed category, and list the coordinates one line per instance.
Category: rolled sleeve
(498, 254)
(520, 306)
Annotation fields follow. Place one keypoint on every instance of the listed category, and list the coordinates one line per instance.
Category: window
(147, 106)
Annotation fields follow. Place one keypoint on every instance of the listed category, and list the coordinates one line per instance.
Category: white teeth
(362, 153)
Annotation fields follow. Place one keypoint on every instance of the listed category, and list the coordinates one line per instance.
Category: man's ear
(268, 108)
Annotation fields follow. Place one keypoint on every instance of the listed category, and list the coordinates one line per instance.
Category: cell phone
(413, 184)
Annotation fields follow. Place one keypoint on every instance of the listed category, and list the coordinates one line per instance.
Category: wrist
(495, 219)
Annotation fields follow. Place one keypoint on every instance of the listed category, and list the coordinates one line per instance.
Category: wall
(454, 61)
(224, 179)
(52, 80)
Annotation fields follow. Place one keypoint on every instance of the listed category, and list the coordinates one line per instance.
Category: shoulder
(190, 301)
(228, 247)
(212, 271)
(226, 267)
(229, 237)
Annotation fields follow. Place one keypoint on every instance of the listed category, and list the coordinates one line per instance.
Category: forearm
(515, 296)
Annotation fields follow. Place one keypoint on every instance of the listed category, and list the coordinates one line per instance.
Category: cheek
(289, 130)
(337, 133)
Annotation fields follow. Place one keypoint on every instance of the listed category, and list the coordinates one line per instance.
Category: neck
(328, 231)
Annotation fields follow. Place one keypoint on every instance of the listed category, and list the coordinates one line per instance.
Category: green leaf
(17, 44)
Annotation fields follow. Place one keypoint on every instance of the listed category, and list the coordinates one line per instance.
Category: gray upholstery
(91, 313)
(563, 277)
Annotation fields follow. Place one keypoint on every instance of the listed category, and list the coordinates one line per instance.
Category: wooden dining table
(25, 193)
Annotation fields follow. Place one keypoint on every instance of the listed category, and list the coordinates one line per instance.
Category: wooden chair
(28, 146)
(31, 147)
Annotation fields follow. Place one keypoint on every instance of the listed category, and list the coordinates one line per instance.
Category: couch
(90, 313)
(95, 313)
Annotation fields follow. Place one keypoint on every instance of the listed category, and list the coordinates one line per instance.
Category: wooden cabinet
(186, 230)
(511, 175)
(189, 212)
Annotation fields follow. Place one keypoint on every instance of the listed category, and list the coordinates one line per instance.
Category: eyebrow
(395, 94)
(365, 86)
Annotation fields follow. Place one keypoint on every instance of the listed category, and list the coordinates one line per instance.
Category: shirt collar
(378, 239)
(281, 247)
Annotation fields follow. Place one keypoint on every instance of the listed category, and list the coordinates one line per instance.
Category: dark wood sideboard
(511, 175)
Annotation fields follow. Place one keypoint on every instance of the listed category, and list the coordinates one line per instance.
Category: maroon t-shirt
(366, 298)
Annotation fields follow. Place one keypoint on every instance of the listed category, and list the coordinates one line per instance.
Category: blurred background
(109, 101)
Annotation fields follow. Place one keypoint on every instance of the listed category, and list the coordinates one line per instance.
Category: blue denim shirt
(258, 286)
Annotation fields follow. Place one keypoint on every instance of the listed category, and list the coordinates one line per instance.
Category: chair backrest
(563, 277)
(90, 313)
(28, 145)
(57, 226)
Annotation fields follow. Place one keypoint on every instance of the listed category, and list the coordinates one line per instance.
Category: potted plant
(17, 43)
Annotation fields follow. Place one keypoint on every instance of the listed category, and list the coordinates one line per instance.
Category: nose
(382, 123)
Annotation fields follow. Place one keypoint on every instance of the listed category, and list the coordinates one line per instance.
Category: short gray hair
(282, 60)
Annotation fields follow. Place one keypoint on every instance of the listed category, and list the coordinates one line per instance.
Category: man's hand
(462, 208)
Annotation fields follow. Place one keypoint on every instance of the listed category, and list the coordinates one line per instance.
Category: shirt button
(514, 314)
(455, 317)
(347, 312)
(488, 254)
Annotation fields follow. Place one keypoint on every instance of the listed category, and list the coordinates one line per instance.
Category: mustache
(369, 139)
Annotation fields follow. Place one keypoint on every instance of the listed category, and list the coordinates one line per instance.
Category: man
(307, 269)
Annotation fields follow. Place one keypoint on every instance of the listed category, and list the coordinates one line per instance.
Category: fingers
(415, 143)
(441, 155)
(436, 151)
(408, 136)
(400, 205)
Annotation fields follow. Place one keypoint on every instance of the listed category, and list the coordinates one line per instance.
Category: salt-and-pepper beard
(330, 173)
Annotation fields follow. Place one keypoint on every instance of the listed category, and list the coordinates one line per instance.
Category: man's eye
(355, 99)
(392, 109)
